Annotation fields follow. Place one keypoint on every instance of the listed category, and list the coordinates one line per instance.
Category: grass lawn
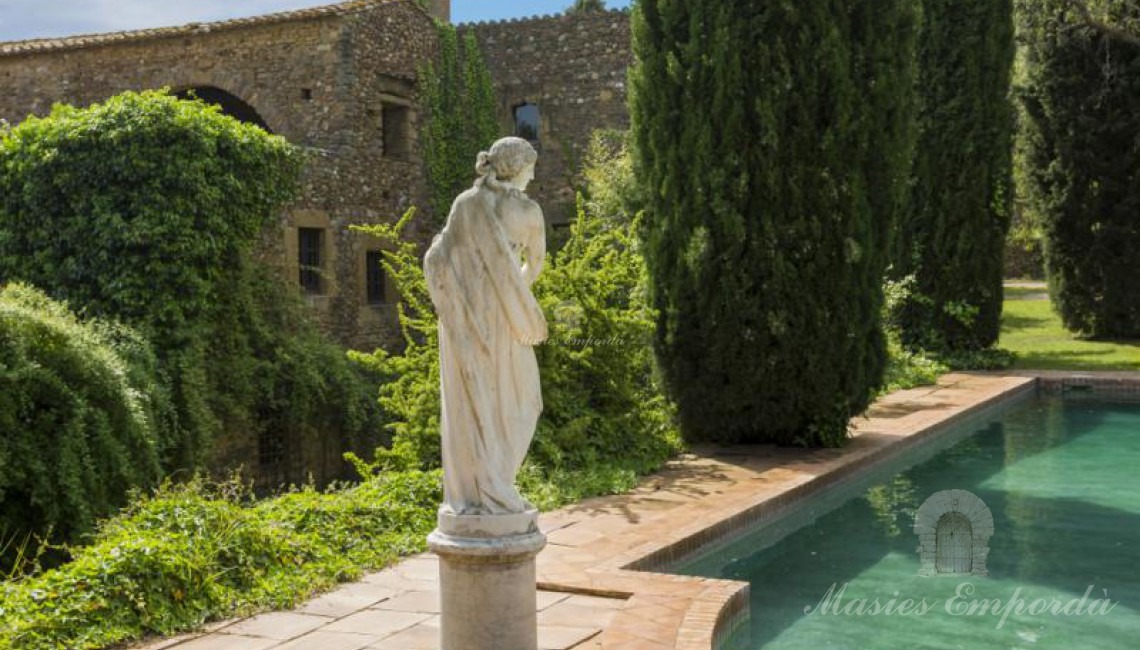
(1033, 330)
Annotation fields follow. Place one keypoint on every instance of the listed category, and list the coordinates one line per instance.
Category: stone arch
(954, 529)
(230, 104)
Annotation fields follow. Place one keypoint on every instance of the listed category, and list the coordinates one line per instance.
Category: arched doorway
(955, 544)
(954, 529)
(230, 104)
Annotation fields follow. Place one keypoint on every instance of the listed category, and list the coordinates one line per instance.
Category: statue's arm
(535, 244)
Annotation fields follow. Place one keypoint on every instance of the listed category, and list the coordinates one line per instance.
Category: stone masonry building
(559, 79)
(340, 81)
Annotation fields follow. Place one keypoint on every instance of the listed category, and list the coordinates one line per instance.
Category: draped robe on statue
(488, 321)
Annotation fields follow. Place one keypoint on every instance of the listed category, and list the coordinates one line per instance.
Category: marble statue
(479, 272)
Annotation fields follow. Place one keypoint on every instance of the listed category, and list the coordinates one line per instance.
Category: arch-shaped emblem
(954, 529)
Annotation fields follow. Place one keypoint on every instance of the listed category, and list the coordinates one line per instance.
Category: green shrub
(772, 142)
(78, 402)
(603, 400)
(146, 209)
(954, 233)
(909, 366)
(1081, 99)
(605, 419)
(195, 553)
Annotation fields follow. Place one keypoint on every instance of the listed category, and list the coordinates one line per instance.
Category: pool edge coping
(734, 609)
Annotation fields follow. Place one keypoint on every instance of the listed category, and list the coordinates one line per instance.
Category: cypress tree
(1082, 159)
(953, 237)
(772, 142)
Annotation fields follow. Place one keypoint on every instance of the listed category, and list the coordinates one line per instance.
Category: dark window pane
(271, 449)
(309, 258)
(397, 137)
(375, 278)
(526, 121)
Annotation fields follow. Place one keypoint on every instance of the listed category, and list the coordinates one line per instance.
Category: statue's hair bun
(483, 163)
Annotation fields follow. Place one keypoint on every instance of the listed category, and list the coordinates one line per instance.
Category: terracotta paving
(590, 595)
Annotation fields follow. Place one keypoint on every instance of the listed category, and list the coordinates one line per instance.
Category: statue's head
(510, 160)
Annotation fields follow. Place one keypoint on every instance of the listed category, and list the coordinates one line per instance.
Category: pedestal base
(487, 580)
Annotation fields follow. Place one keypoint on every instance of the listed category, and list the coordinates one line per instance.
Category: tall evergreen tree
(1082, 158)
(772, 142)
(953, 236)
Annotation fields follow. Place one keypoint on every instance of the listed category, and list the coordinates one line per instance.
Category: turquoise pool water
(1062, 479)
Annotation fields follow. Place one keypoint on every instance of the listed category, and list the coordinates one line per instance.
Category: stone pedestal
(487, 580)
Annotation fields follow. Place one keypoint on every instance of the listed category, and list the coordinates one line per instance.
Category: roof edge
(80, 41)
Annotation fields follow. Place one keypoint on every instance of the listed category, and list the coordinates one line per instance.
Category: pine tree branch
(1082, 8)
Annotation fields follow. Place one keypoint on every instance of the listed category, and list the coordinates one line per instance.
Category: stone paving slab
(278, 625)
(590, 597)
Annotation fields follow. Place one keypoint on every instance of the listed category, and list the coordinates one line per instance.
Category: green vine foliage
(198, 552)
(461, 107)
(78, 403)
(603, 404)
(146, 209)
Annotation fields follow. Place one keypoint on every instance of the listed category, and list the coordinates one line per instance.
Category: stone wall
(573, 68)
(323, 78)
(337, 81)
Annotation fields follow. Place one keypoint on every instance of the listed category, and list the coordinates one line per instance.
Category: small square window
(375, 278)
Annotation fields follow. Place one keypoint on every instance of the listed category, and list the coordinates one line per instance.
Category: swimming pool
(1060, 477)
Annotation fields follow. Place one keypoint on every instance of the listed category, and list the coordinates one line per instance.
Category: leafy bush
(146, 209)
(772, 141)
(909, 368)
(911, 365)
(954, 234)
(605, 420)
(78, 403)
(604, 400)
(195, 552)
(1081, 99)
